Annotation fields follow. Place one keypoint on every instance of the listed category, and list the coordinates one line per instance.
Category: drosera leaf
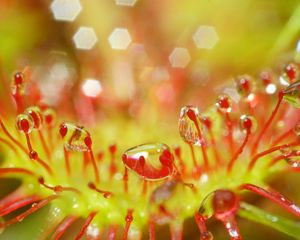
(289, 227)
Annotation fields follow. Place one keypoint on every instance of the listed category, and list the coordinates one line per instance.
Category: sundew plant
(157, 124)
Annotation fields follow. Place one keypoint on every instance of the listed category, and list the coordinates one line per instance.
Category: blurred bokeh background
(156, 53)
(143, 59)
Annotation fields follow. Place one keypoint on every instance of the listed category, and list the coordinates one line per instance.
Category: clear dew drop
(292, 94)
(74, 137)
(188, 123)
(24, 123)
(152, 161)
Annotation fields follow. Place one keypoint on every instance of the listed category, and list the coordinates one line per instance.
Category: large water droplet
(75, 137)
(152, 161)
(292, 94)
(188, 124)
(225, 203)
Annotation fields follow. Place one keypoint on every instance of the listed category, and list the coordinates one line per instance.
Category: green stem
(290, 228)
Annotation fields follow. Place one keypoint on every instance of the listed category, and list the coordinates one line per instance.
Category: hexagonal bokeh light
(91, 88)
(119, 39)
(179, 58)
(85, 38)
(128, 3)
(206, 37)
(65, 10)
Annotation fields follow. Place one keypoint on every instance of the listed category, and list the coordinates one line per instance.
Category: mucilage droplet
(152, 161)
(74, 137)
(189, 121)
(224, 104)
(247, 123)
(36, 115)
(290, 74)
(225, 203)
(24, 123)
(17, 86)
(244, 85)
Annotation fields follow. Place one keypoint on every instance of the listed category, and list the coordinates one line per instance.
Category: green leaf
(281, 224)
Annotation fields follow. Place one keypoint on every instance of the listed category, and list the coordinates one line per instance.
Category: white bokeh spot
(179, 58)
(128, 3)
(85, 38)
(91, 88)
(119, 39)
(206, 37)
(65, 10)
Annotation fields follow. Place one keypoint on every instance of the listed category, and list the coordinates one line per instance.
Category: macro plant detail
(122, 195)
(136, 119)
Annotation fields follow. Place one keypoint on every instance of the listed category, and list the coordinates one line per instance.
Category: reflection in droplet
(24, 123)
(187, 125)
(74, 137)
(36, 115)
(152, 161)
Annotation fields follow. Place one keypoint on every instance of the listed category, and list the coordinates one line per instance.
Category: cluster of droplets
(163, 170)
